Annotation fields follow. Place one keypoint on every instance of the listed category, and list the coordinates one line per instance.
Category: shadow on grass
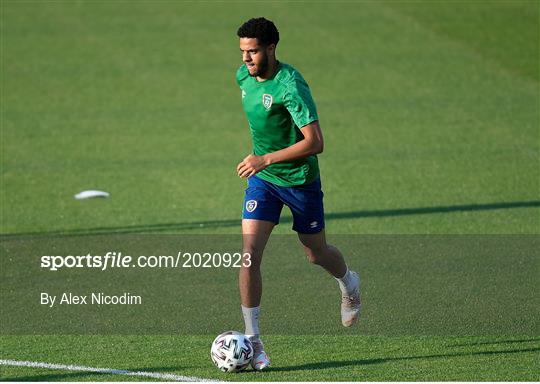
(360, 362)
(494, 342)
(163, 227)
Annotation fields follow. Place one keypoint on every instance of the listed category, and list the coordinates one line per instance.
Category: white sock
(346, 283)
(251, 321)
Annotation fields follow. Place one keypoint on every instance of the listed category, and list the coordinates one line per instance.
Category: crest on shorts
(251, 205)
(267, 100)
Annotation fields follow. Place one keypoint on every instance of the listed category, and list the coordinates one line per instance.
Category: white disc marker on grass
(90, 194)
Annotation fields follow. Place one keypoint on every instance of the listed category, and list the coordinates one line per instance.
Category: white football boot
(260, 358)
(350, 304)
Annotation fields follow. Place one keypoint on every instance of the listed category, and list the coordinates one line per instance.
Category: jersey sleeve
(241, 74)
(299, 103)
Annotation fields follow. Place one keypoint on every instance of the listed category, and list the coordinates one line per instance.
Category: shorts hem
(276, 222)
(303, 231)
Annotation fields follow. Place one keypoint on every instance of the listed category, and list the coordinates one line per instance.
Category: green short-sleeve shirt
(276, 110)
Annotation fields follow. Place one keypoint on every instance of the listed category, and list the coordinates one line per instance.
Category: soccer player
(282, 170)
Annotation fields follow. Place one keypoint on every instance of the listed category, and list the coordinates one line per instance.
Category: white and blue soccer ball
(231, 351)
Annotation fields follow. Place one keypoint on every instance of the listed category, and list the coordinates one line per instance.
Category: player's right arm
(311, 144)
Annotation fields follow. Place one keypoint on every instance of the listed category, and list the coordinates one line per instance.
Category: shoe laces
(257, 346)
(351, 300)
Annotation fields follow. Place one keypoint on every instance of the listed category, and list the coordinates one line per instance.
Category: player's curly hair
(260, 28)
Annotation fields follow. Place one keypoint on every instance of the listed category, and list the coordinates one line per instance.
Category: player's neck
(272, 68)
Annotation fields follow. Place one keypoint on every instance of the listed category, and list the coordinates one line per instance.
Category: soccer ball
(231, 351)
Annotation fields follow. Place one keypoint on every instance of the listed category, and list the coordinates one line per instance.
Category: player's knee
(314, 255)
(313, 259)
(251, 258)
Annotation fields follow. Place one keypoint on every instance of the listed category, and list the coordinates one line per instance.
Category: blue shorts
(264, 200)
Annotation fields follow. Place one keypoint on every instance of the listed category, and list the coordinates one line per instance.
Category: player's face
(254, 56)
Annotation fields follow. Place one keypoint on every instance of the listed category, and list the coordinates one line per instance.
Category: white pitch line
(109, 371)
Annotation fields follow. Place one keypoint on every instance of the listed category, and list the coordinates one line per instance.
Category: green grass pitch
(430, 112)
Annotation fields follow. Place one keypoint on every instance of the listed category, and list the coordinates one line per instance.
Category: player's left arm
(311, 144)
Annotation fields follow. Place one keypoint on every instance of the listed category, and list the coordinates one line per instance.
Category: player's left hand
(251, 165)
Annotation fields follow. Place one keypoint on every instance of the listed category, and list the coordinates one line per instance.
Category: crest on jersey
(251, 205)
(267, 100)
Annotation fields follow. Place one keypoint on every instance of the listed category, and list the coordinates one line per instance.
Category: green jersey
(276, 110)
